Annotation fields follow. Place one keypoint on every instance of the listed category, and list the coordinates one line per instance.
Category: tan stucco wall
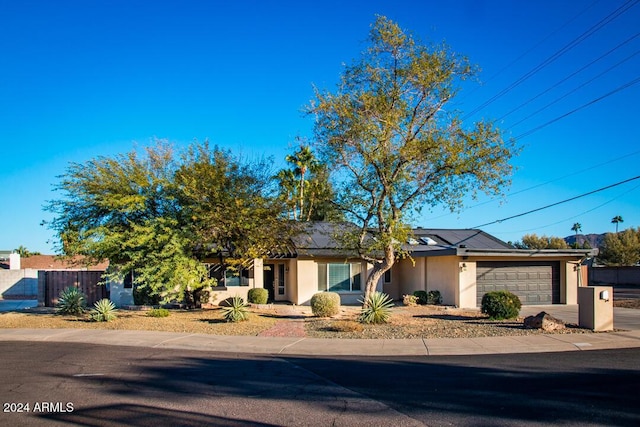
(468, 288)
(307, 281)
(443, 275)
(407, 276)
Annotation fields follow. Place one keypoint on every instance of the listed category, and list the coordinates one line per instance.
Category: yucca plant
(376, 309)
(103, 311)
(236, 311)
(71, 301)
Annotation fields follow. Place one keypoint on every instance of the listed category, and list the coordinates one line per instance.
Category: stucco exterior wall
(408, 276)
(307, 278)
(21, 283)
(443, 276)
(467, 286)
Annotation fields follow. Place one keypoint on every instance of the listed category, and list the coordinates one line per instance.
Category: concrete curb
(295, 346)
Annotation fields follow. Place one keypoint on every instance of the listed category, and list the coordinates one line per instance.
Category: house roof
(53, 262)
(319, 240)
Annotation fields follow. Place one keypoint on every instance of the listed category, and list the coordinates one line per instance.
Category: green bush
(103, 311)
(422, 297)
(236, 311)
(158, 312)
(376, 309)
(434, 297)
(501, 305)
(71, 301)
(145, 295)
(325, 304)
(258, 296)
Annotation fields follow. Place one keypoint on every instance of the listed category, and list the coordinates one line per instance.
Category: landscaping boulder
(543, 321)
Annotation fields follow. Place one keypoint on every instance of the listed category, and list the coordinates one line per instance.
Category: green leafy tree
(396, 144)
(533, 241)
(617, 220)
(231, 206)
(156, 214)
(621, 249)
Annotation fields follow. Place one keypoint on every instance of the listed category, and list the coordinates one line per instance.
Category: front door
(270, 279)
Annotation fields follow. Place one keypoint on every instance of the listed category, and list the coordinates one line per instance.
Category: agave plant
(71, 301)
(236, 311)
(103, 311)
(376, 309)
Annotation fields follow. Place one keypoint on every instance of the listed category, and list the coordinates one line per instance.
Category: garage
(534, 282)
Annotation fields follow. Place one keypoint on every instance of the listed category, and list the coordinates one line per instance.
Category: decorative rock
(543, 321)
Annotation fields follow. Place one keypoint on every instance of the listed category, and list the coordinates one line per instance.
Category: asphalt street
(95, 385)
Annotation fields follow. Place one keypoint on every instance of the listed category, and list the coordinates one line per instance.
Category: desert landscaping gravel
(406, 322)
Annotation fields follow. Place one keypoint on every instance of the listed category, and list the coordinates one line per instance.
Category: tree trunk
(378, 272)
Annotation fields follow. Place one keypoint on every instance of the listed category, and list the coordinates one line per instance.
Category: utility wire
(575, 110)
(575, 42)
(581, 213)
(522, 55)
(558, 203)
(573, 74)
(549, 182)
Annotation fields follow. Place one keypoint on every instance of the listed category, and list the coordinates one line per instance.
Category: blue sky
(81, 79)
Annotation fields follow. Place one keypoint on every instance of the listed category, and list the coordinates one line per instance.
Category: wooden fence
(87, 281)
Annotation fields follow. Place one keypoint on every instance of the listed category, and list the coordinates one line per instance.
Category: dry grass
(424, 322)
(191, 321)
(406, 322)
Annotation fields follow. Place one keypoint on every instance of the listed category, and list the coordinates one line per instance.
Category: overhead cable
(575, 73)
(575, 110)
(558, 203)
(575, 42)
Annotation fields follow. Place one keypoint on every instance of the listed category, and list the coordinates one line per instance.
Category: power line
(575, 110)
(555, 101)
(550, 181)
(558, 203)
(573, 74)
(575, 42)
(581, 213)
(522, 55)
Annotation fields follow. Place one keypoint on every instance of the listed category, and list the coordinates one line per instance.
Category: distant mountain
(595, 240)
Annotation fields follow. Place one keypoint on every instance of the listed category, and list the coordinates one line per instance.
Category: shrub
(325, 304)
(410, 300)
(145, 295)
(103, 311)
(258, 296)
(434, 297)
(501, 305)
(158, 312)
(236, 311)
(422, 297)
(376, 309)
(71, 301)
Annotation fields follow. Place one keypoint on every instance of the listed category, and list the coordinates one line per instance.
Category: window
(339, 277)
(236, 277)
(281, 271)
(387, 276)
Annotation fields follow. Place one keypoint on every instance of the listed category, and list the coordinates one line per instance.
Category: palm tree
(577, 227)
(616, 220)
(287, 181)
(303, 159)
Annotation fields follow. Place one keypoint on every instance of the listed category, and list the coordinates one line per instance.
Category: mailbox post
(595, 308)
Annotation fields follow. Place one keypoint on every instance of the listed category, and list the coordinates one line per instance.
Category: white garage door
(533, 282)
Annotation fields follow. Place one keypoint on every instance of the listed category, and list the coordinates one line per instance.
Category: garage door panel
(532, 282)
